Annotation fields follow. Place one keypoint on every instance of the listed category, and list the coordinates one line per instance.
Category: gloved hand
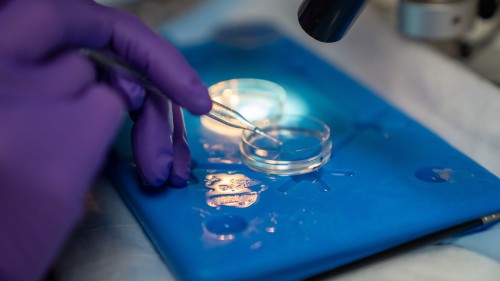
(57, 121)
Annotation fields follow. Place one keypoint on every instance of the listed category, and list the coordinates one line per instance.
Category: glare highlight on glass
(255, 99)
(306, 146)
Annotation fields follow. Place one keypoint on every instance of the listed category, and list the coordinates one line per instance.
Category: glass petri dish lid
(255, 99)
(305, 146)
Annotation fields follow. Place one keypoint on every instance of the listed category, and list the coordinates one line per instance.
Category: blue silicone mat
(389, 180)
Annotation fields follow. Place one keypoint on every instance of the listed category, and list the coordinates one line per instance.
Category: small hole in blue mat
(226, 224)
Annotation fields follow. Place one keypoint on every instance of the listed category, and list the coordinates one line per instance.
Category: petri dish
(255, 99)
(305, 146)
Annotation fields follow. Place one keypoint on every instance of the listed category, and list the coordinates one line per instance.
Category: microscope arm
(328, 20)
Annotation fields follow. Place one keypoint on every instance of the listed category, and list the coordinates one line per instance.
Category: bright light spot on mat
(230, 190)
(296, 105)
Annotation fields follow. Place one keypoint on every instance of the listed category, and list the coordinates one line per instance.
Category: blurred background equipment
(466, 30)
(436, 19)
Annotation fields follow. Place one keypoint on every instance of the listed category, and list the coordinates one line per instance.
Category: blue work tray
(390, 180)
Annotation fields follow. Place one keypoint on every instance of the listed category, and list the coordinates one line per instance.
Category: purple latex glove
(57, 122)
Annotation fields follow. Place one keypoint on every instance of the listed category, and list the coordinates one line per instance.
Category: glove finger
(61, 147)
(181, 167)
(152, 139)
(161, 62)
(47, 25)
(71, 136)
(133, 92)
(100, 109)
(69, 71)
